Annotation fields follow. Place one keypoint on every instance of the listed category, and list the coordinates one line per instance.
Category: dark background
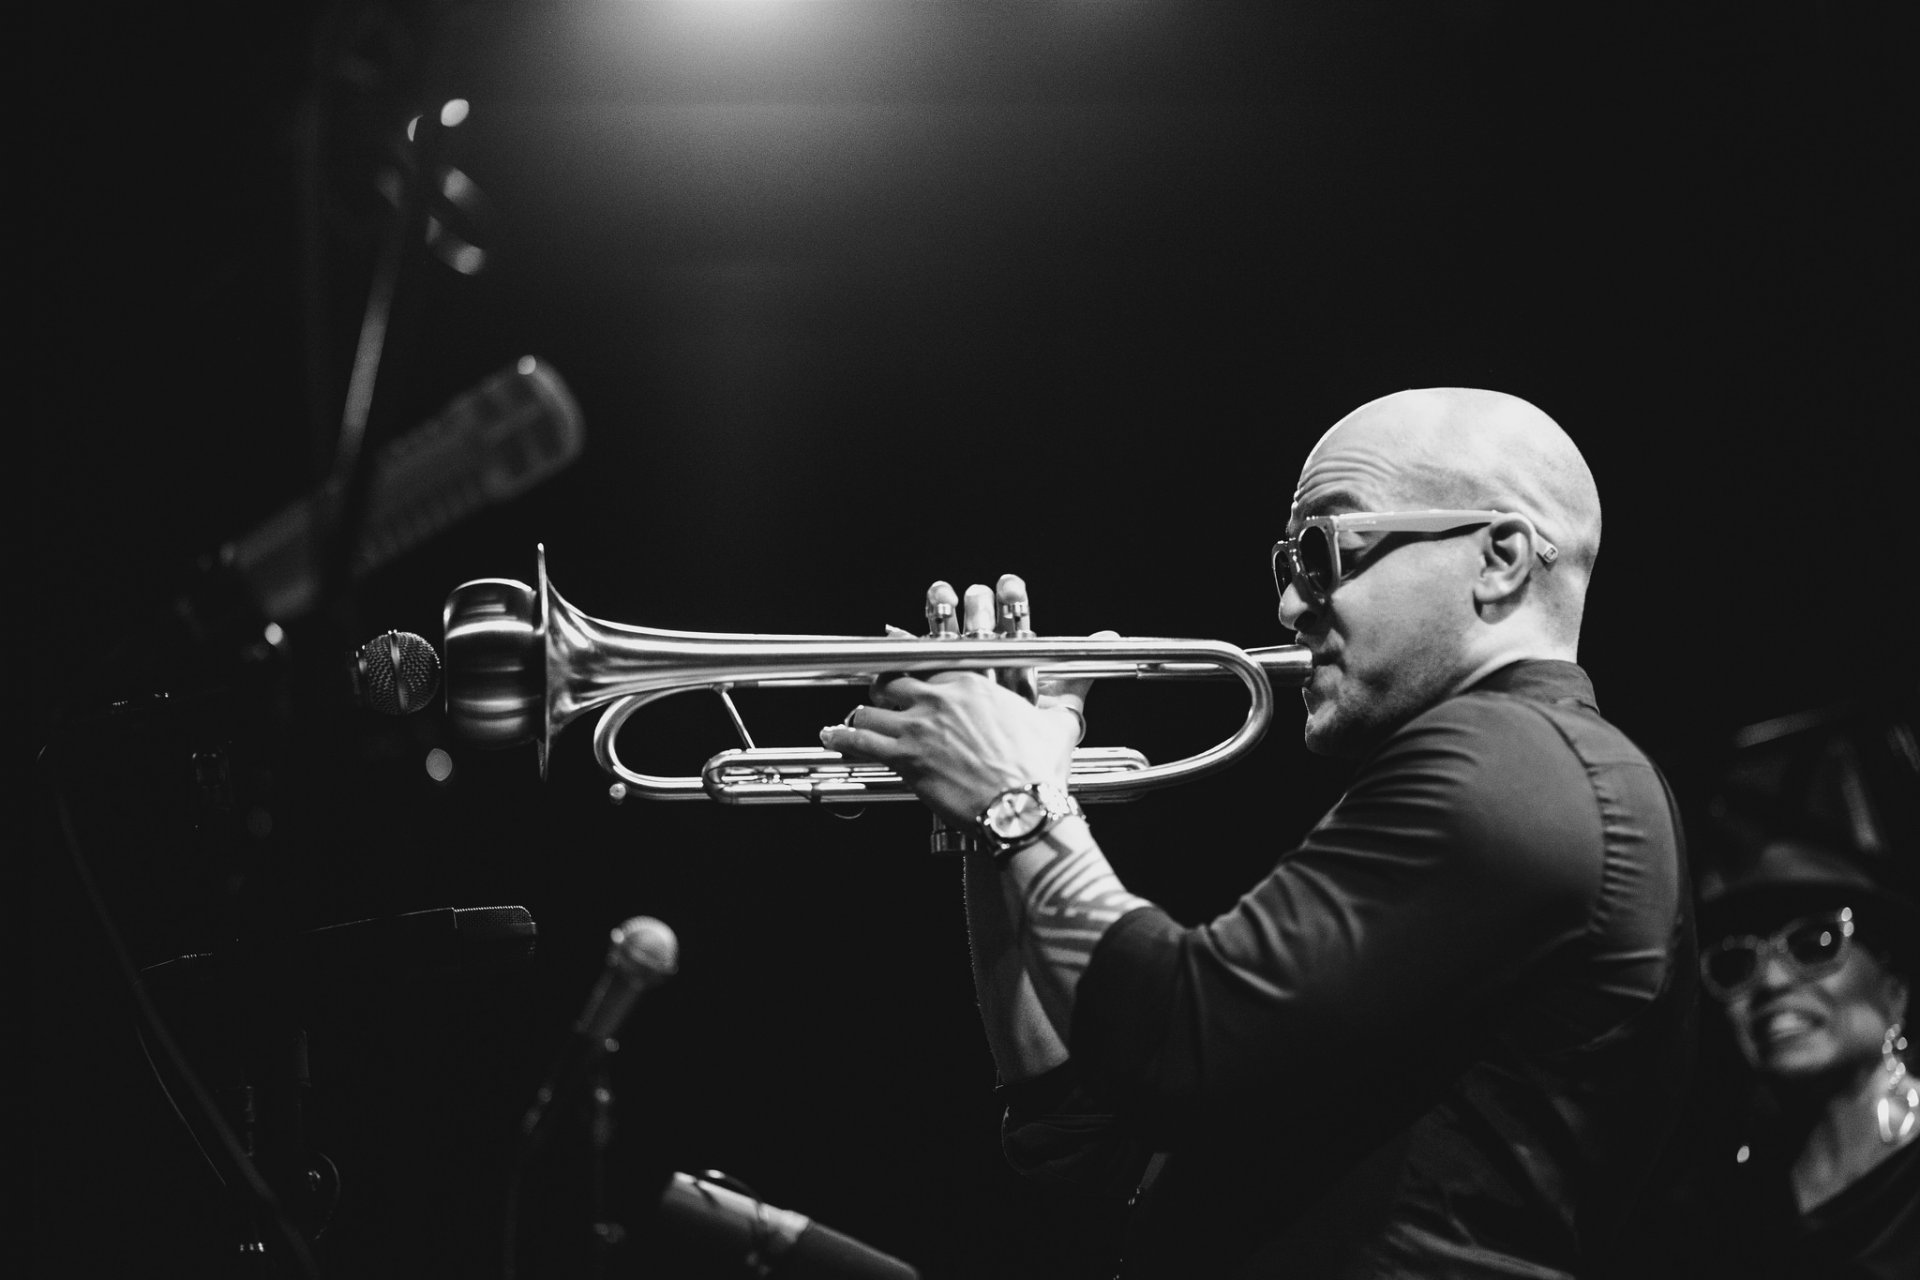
(854, 296)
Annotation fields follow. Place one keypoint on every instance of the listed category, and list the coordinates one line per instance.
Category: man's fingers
(899, 691)
(976, 612)
(1071, 707)
(878, 720)
(863, 744)
(1071, 693)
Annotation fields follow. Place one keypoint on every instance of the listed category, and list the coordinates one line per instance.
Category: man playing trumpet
(1448, 1032)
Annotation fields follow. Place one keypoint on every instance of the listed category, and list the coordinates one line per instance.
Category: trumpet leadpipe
(1287, 666)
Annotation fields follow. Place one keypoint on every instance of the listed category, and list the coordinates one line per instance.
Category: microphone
(716, 1231)
(395, 674)
(490, 443)
(643, 955)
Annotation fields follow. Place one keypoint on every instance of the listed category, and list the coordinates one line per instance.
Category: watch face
(1016, 815)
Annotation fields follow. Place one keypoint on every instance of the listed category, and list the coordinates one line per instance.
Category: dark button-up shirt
(1445, 1036)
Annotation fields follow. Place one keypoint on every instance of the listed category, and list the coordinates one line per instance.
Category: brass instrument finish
(522, 663)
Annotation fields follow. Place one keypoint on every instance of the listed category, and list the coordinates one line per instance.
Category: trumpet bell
(497, 637)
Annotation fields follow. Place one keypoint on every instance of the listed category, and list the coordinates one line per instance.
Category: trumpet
(522, 663)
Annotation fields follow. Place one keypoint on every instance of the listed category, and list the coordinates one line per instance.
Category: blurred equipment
(444, 941)
(705, 1228)
(489, 444)
(242, 1013)
(522, 663)
(643, 954)
(1843, 780)
(395, 674)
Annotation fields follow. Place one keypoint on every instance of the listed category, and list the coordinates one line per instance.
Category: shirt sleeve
(1466, 850)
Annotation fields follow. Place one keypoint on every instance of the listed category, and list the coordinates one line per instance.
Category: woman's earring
(1900, 1095)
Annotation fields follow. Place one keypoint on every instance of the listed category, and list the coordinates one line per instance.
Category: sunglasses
(1812, 947)
(1310, 559)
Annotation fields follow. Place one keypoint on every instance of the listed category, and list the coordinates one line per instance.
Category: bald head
(1458, 447)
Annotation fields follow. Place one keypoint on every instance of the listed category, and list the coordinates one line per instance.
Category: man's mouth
(1319, 686)
(1781, 1024)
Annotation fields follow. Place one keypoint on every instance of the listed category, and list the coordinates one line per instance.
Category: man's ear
(1506, 561)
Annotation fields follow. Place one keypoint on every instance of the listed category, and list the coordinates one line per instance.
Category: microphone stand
(607, 1234)
(265, 1107)
(339, 522)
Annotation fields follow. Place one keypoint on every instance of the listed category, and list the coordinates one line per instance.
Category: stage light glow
(411, 126)
(439, 765)
(468, 259)
(453, 112)
(527, 365)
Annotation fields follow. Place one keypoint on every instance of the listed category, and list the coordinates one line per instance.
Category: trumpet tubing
(522, 663)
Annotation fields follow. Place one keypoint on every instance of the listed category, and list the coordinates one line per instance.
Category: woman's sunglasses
(1811, 946)
(1310, 559)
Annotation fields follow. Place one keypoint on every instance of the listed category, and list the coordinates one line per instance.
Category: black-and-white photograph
(970, 639)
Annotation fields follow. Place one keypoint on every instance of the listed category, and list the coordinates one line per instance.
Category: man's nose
(1295, 613)
(1775, 972)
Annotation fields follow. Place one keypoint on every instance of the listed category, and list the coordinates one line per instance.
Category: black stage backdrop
(854, 296)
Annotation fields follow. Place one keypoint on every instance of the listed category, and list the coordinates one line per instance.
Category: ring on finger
(851, 714)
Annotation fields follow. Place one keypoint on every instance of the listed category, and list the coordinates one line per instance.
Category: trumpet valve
(1015, 612)
(943, 622)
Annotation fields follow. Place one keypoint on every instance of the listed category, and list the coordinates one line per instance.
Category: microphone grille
(646, 947)
(399, 673)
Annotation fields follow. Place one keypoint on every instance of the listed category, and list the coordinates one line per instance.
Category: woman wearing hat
(1810, 961)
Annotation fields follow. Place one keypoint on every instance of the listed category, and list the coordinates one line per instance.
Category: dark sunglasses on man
(1310, 559)
(1812, 947)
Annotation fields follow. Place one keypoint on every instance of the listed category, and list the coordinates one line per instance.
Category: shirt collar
(1541, 679)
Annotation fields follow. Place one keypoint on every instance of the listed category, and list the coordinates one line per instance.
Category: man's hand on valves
(960, 738)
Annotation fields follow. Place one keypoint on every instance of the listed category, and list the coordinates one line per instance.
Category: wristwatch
(1017, 818)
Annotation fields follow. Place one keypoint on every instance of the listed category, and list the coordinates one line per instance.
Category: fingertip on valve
(977, 611)
(1016, 613)
(941, 605)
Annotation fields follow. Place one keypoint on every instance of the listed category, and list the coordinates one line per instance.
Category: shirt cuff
(1041, 1093)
